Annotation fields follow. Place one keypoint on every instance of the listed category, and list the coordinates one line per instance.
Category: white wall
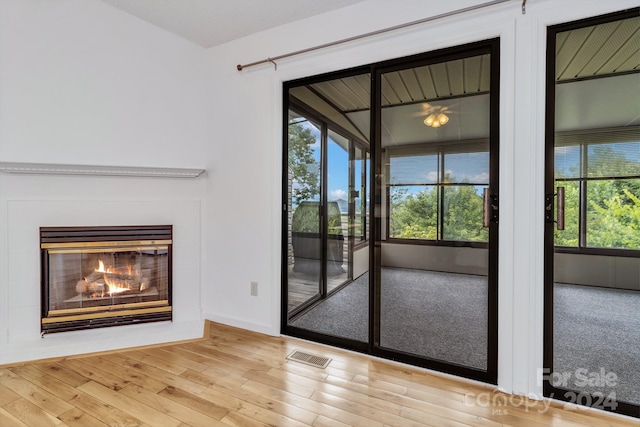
(438, 258)
(246, 246)
(597, 270)
(360, 261)
(84, 83)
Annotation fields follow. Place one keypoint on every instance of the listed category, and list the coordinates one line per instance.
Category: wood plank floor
(302, 287)
(240, 378)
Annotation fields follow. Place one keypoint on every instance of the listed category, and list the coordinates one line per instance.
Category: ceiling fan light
(430, 120)
(442, 118)
(435, 124)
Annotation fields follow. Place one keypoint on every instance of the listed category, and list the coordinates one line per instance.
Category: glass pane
(567, 161)
(414, 170)
(596, 275)
(433, 292)
(462, 214)
(81, 279)
(614, 160)
(613, 214)
(337, 261)
(305, 243)
(468, 168)
(413, 212)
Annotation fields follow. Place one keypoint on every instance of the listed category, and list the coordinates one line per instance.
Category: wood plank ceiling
(594, 51)
(599, 50)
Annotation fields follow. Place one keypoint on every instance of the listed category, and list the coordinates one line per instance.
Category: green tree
(304, 169)
(463, 215)
(614, 222)
(415, 216)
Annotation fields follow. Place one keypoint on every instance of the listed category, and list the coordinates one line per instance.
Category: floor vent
(309, 359)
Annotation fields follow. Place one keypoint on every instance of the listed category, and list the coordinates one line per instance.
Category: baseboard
(86, 342)
(238, 323)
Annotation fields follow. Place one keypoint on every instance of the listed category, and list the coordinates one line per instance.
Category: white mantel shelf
(60, 169)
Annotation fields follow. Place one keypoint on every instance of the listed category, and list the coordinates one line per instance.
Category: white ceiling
(213, 22)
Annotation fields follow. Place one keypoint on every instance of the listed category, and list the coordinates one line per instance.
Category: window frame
(603, 137)
(440, 150)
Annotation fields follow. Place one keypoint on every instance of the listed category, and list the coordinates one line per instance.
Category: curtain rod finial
(239, 67)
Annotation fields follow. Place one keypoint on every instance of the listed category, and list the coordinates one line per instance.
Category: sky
(337, 166)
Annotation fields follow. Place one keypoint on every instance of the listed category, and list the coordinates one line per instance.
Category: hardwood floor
(240, 378)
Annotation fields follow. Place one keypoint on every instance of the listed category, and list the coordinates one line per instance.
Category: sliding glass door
(436, 235)
(397, 164)
(592, 292)
(326, 247)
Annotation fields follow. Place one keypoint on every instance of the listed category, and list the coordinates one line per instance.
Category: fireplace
(95, 277)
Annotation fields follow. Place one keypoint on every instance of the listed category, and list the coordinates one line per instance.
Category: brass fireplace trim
(106, 314)
(102, 244)
(108, 307)
(77, 250)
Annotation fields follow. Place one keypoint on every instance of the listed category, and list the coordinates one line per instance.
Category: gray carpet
(344, 314)
(595, 330)
(438, 315)
(443, 316)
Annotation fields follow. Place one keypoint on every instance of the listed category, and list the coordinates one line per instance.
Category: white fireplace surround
(95, 200)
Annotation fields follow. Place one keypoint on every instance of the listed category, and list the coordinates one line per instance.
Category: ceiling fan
(435, 114)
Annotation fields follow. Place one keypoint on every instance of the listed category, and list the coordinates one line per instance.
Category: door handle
(560, 207)
(486, 202)
(560, 204)
(489, 208)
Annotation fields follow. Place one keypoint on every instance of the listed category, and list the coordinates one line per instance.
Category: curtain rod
(273, 59)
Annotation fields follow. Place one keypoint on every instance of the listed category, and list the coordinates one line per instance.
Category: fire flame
(115, 286)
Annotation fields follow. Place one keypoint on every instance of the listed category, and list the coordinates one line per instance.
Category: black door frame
(549, 390)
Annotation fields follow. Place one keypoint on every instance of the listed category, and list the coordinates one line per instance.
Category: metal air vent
(309, 359)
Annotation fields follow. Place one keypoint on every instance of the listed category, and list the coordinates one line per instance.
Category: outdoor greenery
(609, 180)
(304, 170)
(612, 213)
(415, 216)
(306, 218)
(613, 205)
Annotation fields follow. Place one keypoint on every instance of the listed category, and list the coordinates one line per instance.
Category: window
(601, 177)
(435, 192)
